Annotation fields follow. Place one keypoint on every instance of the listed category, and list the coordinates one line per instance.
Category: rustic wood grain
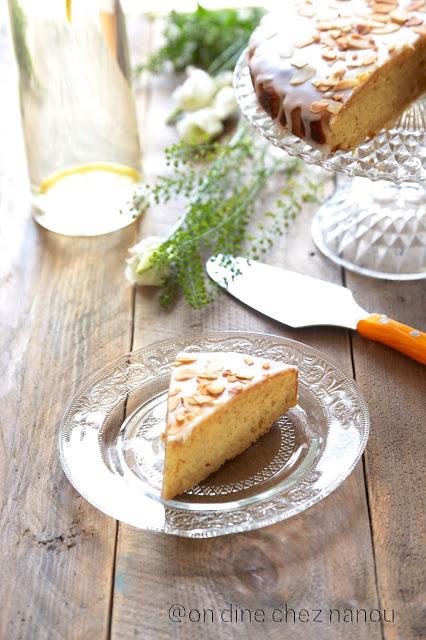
(322, 558)
(64, 313)
(395, 389)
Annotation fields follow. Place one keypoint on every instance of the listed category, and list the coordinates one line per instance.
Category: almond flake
(414, 22)
(305, 43)
(184, 374)
(202, 377)
(185, 359)
(363, 29)
(380, 17)
(198, 398)
(244, 376)
(338, 97)
(335, 107)
(387, 28)
(329, 55)
(414, 6)
(174, 392)
(318, 107)
(399, 16)
(266, 365)
(349, 83)
(248, 360)
(173, 403)
(180, 417)
(354, 42)
(303, 75)
(215, 389)
(328, 40)
(383, 7)
(190, 415)
(299, 63)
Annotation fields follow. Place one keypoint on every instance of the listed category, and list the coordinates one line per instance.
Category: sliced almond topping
(248, 360)
(329, 40)
(180, 417)
(363, 28)
(299, 63)
(244, 376)
(329, 55)
(182, 357)
(414, 22)
(215, 389)
(173, 403)
(184, 374)
(356, 41)
(400, 16)
(303, 75)
(174, 392)
(387, 28)
(334, 107)
(420, 30)
(202, 377)
(349, 83)
(414, 6)
(337, 97)
(383, 7)
(305, 42)
(232, 378)
(190, 415)
(318, 107)
(379, 19)
(198, 398)
(266, 365)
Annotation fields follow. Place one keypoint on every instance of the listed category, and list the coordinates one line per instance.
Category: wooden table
(70, 572)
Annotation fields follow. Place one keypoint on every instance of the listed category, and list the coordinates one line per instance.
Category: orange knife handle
(399, 336)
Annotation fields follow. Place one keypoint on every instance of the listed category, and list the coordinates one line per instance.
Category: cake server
(310, 301)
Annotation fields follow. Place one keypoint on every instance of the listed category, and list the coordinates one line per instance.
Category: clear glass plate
(116, 462)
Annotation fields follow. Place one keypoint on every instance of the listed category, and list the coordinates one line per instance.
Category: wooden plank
(322, 558)
(64, 313)
(395, 388)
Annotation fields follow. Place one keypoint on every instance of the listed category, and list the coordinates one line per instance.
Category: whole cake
(218, 405)
(338, 72)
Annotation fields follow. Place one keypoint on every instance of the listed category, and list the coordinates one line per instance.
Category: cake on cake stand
(375, 222)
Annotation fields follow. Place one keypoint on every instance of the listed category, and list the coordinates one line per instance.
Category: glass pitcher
(78, 113)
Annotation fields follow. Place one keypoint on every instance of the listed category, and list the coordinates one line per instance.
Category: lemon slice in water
(112, 167)
(89, 199)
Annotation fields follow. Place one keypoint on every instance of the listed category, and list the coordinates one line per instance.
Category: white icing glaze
(233, 371)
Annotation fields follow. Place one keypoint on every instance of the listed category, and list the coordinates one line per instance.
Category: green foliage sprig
(221, 185)
(210, 39)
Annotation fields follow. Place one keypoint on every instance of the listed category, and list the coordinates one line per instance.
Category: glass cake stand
(375, 222)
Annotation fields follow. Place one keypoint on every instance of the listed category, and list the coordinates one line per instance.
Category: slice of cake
(338, 72)
(219, 404)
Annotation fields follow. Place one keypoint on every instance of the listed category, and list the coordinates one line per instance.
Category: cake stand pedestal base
(377, 229)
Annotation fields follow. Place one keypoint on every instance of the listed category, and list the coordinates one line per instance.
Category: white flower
(138, 269)
(200, 126)
(224, 79)
(225, 103)
(196, 92)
